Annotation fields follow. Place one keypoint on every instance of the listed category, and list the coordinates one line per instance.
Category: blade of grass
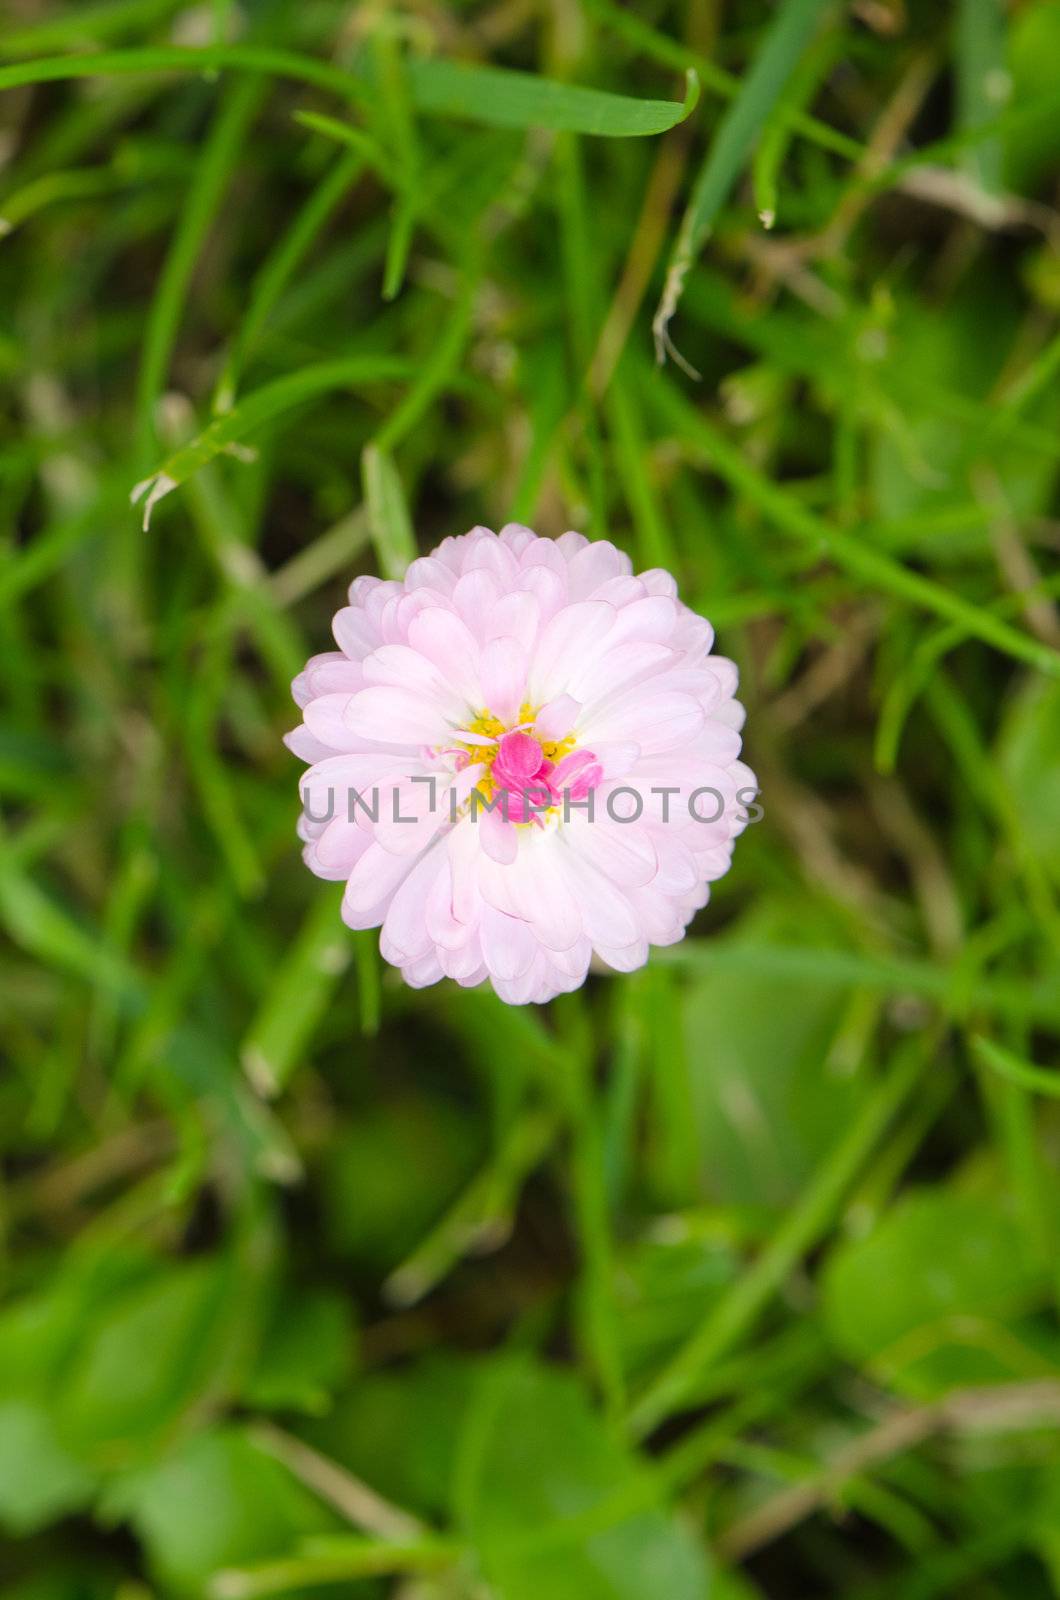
(780, 128)
(496, 96)
(984, 779)
(388, 515)
(296, 1002)
(481, 1217)
(90, 25)
(436, 371)
(333, 552)
(505, 99)
(237, 841)
(1011, 1106)
(787, 36)
(913, 676)
(595, 1292)
(394, 110)
(178, 58)
(77, 184)
(342, 1562)
(959, 994)
(631, 458)
(585, 312)
(369, 980)
(257, 408)
(279, 267)
(212, 174)
(37, 922)
(983, 83)
(1013, 1067)
(53, 546)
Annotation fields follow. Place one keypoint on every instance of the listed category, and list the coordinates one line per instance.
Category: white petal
(440, 635)
(567, 644)
(396, 716)
(498, 838)
(656, 722)
(503, 677)
(371, 883)
(508, 946)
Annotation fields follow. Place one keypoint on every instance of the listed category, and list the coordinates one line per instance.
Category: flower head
(522, 755)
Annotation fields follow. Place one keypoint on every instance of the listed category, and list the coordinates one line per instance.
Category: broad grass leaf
(769, 1100)
(140, 1362)
(306, 1354)
(217, 1501)
(39, 1478)
(536, 1455)
(927, 1300)
(153, 1353)
(368, 1430)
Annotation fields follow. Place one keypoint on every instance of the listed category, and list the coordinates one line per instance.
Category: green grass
(735, 1277)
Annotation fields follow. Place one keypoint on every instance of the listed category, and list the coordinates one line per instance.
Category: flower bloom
(521, 755)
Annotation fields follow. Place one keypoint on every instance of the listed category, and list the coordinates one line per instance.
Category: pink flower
(522, 755)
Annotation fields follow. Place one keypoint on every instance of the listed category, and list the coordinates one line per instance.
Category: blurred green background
(735, 1277)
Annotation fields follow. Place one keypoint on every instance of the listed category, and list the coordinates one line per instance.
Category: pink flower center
(533, 782)
(519, 758)
(520, 768)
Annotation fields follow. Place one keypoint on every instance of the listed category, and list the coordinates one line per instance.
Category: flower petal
(396, 716)
(503, 676)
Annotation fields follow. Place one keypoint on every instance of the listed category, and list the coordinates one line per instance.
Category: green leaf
(368, 1430)
(923, 1300)
(218, 1501)
(535, 1456)
(770, 1097)
(38, 923)
(39, 1479)
(144, 1362)
(306, 1355)
(388, 514)
(1026, 749)
(505, 99)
